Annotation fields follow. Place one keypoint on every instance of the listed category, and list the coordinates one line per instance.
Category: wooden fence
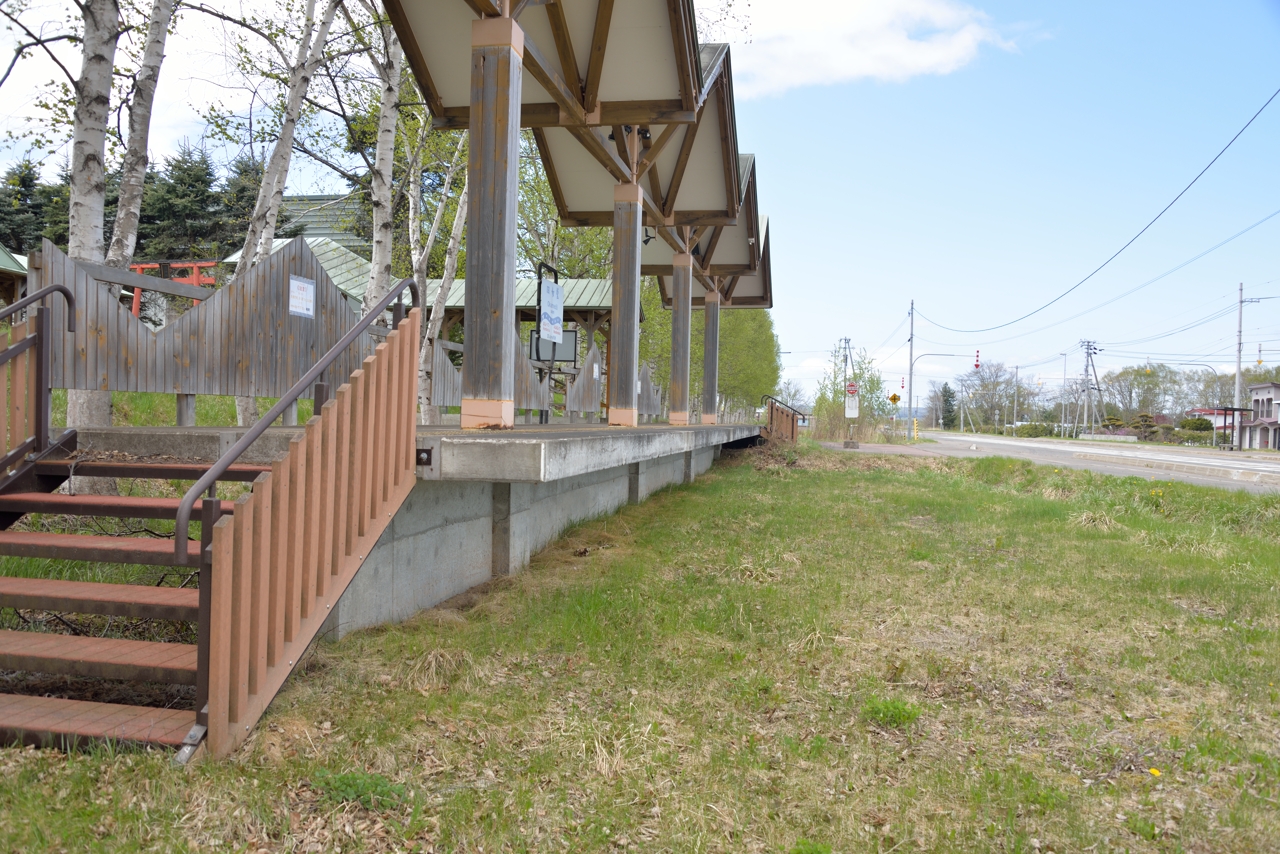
(446, 378)
(294, 544)
(242, 340)
(20, 387)
(584, 390)
(649, 399)
(781, 422)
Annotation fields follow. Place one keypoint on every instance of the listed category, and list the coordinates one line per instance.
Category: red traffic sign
(850, 388)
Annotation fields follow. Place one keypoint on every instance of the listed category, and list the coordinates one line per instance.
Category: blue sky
(987, 186)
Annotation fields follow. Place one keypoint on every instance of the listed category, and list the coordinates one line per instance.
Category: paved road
(1206, 467)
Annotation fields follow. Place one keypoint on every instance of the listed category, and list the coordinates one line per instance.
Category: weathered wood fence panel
(241, 341)
(295, 542)
(531, 392)
(446, 379)
(583, 393)
(18, 379)
(648, 401)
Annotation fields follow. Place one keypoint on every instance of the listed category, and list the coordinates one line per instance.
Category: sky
(980, 158)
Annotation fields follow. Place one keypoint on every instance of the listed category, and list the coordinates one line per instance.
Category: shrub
(1033, 431)
(892, 712)
(1199, 425)
(370, 790)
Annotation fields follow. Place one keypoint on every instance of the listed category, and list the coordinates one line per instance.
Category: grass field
(803, 652)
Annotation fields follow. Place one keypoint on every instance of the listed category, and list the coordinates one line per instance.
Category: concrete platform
(486, 502)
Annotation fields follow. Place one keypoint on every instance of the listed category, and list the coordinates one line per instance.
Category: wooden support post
(624, 322)
(488, 365)
(186, 410)
(681, 317)
(290, 416)
(711, 358)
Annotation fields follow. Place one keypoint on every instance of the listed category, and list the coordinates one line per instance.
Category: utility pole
(1064, 394)
(1015, 399)
(1235, 416)
(911, 362)
(1090, 375)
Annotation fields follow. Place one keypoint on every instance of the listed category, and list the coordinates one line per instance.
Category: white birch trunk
(262, 225)
(430, 412)
(381, 176)
(124, 236)
(89, 187)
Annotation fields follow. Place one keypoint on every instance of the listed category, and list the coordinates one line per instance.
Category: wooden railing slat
(309, 521)
(368, 440)
(386, 410)
(328, 467)
(279, 556)
(395, 396)
(354, 454)
(220, 634)
(261, 574)
(297, 461)
(241, 593)
(342, 445)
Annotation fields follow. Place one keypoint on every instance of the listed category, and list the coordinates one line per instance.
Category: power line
(1131, 240)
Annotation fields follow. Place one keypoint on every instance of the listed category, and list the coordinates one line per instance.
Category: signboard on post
(551, 325)
(302, 297)
(850, 400)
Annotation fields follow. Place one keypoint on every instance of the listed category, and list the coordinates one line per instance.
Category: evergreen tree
(181, 209)
(21, 209)
(948, 396)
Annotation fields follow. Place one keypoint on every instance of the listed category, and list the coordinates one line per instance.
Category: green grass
(801, 652)
(148, 409)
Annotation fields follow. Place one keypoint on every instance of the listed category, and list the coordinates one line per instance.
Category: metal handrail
(183, 523)
(765, 397)
(41, 294)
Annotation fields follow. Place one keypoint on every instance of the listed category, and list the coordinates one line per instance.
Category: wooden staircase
(256, 579)
(65, 722)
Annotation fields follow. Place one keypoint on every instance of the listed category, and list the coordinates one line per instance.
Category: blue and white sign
(551, 327)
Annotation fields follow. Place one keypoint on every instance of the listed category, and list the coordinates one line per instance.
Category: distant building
(333, 217)
(1260, 428)
(13, 274)
(1219, 418)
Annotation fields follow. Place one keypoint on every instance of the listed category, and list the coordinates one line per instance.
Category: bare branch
(42, 42)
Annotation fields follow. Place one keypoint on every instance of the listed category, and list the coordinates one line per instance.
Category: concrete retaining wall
(450, 536)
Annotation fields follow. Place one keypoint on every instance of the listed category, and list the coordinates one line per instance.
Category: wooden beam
(584, 219)
(564, 46)
(620, 142)
(557, 192)
(711, 246)
(547, 115)
(546, 75)
(678, 12)
(597, 149)
(595, 64)
(732, 190)
(682, 163)
(733, 283)
(653, 149)
(413, 52)
(484, 8)
(655, 182)
(130, 279)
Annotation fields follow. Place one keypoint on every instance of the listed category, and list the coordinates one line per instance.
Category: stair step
(108, 658)
(133, 550)
(90, 597)
(50, 722)
(158, 471)
(116, 506)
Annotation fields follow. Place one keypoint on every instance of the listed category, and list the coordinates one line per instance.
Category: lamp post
(912, 368)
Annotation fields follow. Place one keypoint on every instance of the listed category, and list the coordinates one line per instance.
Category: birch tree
(124, 234)
(100, 36)
(426, 390)
(389, 67)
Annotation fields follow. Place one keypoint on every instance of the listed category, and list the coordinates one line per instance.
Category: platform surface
(528, 453)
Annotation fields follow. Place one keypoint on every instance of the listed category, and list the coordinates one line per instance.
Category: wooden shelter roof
(579, 294)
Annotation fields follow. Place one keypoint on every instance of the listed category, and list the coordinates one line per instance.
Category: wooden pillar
(186, 410)
(711, 358)
(488, 364)
(624, 322)
(681, 323)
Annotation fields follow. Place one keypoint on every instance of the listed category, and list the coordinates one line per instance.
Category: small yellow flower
(1155, 772)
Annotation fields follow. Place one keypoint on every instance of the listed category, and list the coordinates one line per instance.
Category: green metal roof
(10, 263)
(579, 294)
(348, 270)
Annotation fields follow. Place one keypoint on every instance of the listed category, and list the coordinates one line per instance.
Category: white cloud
(856, 39)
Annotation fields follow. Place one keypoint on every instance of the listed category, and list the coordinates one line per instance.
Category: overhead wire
(1122, 248)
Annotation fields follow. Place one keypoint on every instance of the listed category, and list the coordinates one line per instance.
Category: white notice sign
(302, 297)
(851, 406)
(551, 327)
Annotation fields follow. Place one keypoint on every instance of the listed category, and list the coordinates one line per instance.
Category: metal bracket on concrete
(190, 744)
(427, 457)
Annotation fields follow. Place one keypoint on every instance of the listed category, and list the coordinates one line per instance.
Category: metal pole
(1015, 399)
(1235, 432)
(911, 370)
